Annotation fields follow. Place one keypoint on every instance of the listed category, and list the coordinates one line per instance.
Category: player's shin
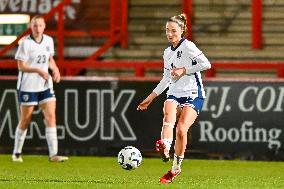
(52, 142)
(163, 145)
(20, 136)
(177, 163)
(167, 134)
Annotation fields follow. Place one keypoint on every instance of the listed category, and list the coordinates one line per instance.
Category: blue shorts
(195, 103)
(35, 98)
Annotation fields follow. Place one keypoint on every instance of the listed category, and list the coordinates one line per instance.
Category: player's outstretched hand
(145, 103)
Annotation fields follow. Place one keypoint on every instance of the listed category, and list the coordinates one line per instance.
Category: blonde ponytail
(181, 20)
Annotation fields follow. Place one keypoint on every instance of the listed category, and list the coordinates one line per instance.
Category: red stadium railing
(140, 68)
(247, 66)
(59, 8)
(118, 34)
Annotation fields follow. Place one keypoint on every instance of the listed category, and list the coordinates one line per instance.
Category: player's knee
(25, 121)
(50, 119)
(181, 131)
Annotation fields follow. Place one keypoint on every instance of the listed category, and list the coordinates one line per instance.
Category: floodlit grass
(104, 172)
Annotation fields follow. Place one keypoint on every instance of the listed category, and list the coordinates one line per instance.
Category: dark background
(114, 122)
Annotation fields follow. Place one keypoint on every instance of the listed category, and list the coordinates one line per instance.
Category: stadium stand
(222, 29)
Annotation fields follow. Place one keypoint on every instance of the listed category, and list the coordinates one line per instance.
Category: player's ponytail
(181, 20)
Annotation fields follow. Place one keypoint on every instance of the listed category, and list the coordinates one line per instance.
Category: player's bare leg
(21, 132)
(163, 146)
(48, 109)
(187, 118)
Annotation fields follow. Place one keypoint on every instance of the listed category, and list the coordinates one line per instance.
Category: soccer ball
(129, 158)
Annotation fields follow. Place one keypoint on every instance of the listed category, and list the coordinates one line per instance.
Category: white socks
(177, 159)
(51, 138)
(177, 163)
(52, 142)
(20, 136)
(168, 143)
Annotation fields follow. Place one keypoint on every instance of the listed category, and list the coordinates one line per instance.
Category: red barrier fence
(141, 67)
(117, 33)
(58, 9)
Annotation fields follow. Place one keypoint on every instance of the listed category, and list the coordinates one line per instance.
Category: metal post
(256, 24)
(60, 34)
(187, 9)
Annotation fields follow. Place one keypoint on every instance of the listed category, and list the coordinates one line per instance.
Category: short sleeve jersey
(35, 55)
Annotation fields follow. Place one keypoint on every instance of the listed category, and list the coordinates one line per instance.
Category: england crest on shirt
(26, 97)
(179, 53)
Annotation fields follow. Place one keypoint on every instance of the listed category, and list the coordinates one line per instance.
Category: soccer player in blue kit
(34, 57)
(183, 62)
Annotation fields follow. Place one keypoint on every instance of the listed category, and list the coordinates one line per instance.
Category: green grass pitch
(104, 172)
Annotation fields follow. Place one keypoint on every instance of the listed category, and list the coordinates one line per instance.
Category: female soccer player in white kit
(183, 62)
(34, 57)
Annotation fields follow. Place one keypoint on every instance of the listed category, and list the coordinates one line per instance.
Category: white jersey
(186, 55)
(35, 55)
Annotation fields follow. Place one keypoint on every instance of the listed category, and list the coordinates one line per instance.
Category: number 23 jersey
(36, 55)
